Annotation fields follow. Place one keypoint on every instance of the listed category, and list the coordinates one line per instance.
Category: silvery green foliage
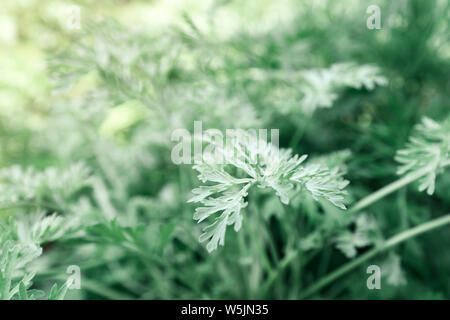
(366, 233)
(159, 72)
(428, 149)
(319, 85)
(22, 236)
(13, 257)
(39, 227)
(309, 89)
(247, 162)
(210, 103)
(335, 159)
(52, 184)
(393, 271)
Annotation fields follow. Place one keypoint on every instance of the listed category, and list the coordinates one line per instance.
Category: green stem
(399, 238)
(377, 195)
(363, 203)
(99, 289)
(105, 291)
(300, 132)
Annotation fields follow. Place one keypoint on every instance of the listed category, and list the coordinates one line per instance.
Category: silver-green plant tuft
(248, 162)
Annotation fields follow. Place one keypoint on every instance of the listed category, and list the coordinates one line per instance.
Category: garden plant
(95, 205)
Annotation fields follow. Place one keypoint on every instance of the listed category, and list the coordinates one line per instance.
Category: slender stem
(99, 289)
(300, 132)
(22, 204)
(403, 236)
(377, 195)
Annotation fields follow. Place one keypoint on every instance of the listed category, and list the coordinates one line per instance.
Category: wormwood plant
(98, 189)
(426, 155)
(21, 242)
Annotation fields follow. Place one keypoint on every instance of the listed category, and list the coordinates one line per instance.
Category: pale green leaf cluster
(428, 150)
(247, 162)
(121, 80)
(392, 270)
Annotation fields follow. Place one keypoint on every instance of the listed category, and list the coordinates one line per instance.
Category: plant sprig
(257, 163)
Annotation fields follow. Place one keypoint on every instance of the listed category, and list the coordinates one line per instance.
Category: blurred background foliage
(110, 94)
